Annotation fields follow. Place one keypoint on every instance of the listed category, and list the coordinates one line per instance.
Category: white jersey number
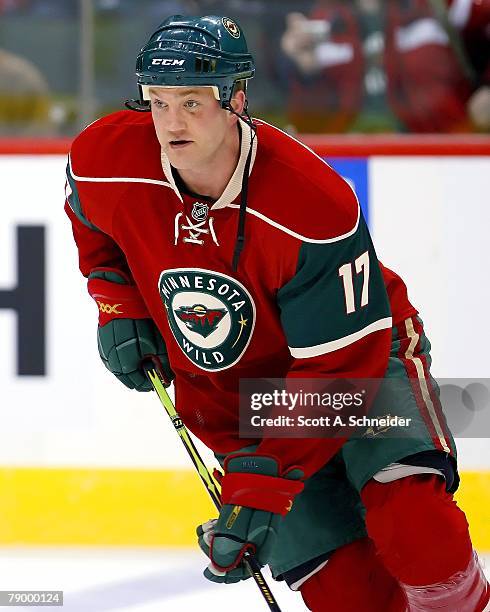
(346, 274)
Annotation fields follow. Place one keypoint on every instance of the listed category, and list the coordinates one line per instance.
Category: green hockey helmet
(194, 51)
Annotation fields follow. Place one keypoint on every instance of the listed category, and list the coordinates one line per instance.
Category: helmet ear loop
(141, 105)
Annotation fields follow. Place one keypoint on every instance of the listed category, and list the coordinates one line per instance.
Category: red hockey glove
(255, 494)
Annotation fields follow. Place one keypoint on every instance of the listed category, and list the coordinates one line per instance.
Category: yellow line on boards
(473, 496)
(101, 506)
(105, 507)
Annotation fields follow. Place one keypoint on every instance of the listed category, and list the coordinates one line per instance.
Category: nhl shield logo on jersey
(211, 315)
(199, 211)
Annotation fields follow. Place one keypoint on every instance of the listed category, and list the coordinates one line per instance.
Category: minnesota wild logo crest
(211, 315)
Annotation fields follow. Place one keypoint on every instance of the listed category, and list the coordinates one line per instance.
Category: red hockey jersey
(309, 297)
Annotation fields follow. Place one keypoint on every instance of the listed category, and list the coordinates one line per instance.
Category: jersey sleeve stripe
(426, 400)
(335, 345)
(299, 236)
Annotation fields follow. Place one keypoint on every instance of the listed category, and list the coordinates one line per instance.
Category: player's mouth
(179, 144)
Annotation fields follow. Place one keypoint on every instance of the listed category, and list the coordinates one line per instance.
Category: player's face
(190, 125)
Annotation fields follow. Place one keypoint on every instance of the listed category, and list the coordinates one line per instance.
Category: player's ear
(238, 101)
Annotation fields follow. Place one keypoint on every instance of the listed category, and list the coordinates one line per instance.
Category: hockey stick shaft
(209, 482)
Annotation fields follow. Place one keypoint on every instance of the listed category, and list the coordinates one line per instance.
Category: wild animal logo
(211, 315)
(200, 319)
(232, 27)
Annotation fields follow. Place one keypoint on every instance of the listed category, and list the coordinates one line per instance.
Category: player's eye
(157, 103)
(191, 104)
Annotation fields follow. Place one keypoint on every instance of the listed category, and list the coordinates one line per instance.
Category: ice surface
(133, 580)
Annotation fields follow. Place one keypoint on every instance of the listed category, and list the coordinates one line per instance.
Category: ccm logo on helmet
(167, 62)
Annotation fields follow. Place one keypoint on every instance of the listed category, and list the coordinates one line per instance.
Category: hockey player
(232, 246)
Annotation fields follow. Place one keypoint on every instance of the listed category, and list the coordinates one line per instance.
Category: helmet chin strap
(244, 115)
(240, 238)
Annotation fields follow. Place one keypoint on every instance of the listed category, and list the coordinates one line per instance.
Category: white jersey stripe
(335, 345)
(115, 179)
(414, 338)
(286, 230)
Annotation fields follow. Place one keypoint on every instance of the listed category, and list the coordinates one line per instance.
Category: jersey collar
(234, 187)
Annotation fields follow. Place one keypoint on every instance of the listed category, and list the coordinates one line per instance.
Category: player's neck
(212, 178)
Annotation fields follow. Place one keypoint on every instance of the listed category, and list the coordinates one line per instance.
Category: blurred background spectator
(24, 97)
(322, 65)
(402, 65)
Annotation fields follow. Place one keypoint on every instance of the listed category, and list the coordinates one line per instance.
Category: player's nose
(175, 121)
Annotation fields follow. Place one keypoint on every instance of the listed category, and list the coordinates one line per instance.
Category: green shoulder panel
(338, 290)
(73, 199)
